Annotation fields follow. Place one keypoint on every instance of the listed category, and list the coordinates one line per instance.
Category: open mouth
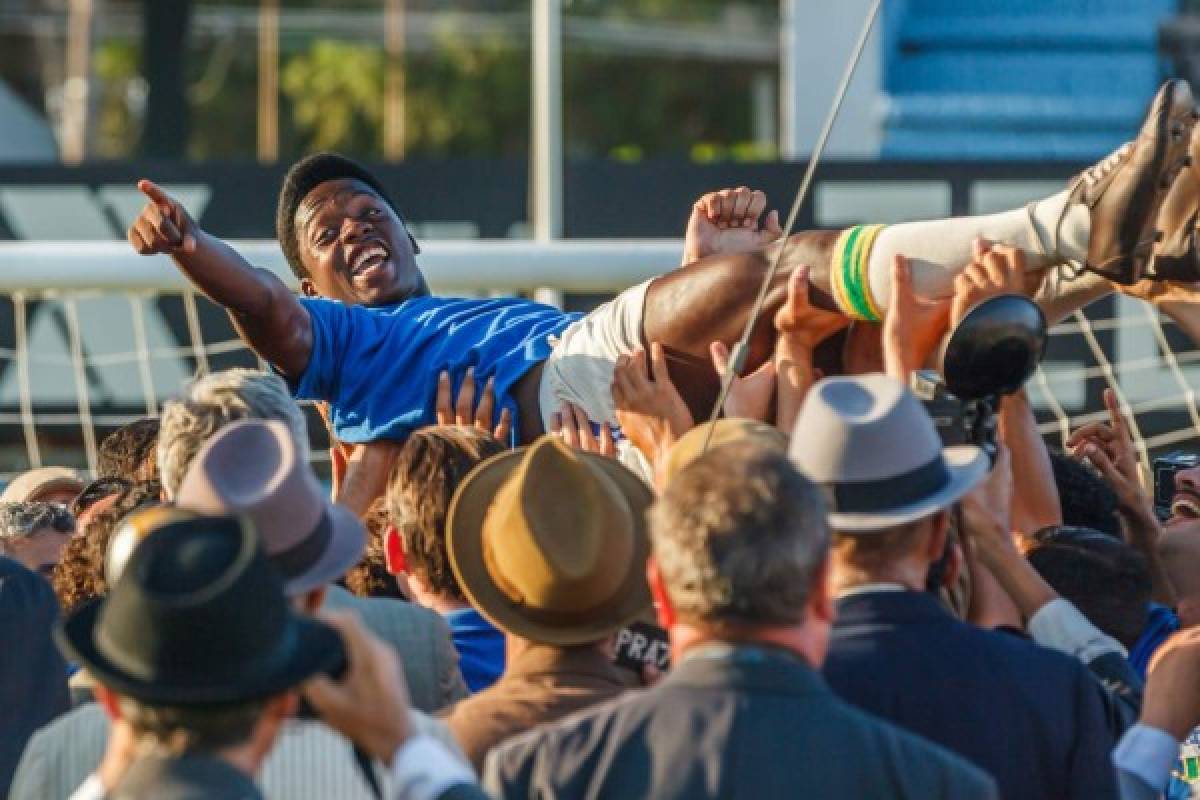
(1185, 506)
(366, 258)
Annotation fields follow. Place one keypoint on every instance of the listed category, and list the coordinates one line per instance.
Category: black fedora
(198, 617)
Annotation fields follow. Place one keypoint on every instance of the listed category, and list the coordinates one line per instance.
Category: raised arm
(264, 311)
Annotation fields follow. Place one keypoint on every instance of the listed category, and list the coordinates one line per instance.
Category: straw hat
(724, 431)
(550, 543)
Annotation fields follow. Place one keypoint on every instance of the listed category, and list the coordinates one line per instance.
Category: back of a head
(1105, 578)
(1086, 498)
(428, 470)
(130, 452)
(738, 536)
(211, 403)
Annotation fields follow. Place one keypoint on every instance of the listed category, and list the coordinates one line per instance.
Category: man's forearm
(1186, 316)
(264, 311)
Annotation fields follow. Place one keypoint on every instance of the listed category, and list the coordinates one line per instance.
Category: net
(76, 364)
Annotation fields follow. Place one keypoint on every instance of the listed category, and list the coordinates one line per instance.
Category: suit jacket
(33, 677)
(746, 722)
(310, 761)
(541, 684)
(1032, 717)
(422, 639)
(185, 778)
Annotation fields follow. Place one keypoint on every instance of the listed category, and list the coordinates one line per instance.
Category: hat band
(300, 557)
(885, 494)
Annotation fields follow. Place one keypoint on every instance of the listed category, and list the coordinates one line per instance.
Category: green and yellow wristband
(851, 281)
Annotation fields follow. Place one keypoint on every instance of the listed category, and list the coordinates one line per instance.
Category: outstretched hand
(649, 408)
(994, 270)
(913, 327)
(164, 226)
(727, 221)
(572, 423)
(750, 396)
(465, 412)
(1109, 446)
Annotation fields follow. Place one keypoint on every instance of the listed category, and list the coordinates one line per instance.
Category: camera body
(992, 351)
(958, 421)
(1165, 470)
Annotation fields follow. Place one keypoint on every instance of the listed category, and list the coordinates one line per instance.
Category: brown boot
(1175, 256)
(1124, 192)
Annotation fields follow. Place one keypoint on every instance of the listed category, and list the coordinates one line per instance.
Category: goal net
(91, 349)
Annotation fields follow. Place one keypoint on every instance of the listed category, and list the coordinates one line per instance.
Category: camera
(1165, 470)
(958, 421)
(990, 354)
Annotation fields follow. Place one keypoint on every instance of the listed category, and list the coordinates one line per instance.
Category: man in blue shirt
(370, 339)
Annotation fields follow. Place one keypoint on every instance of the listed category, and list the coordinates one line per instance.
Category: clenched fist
(163, 226)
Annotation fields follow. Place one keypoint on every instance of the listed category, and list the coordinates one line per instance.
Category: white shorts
(580, 367)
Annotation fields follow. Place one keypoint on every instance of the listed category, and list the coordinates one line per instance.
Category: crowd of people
(540, 572)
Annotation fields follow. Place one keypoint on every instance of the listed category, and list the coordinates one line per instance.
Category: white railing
(582, 265)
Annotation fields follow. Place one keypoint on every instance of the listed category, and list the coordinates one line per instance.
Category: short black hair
(1086, 498)
(1105, 578)
(305, 175)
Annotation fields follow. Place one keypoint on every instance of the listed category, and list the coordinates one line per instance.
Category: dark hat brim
(464, 541)
(307, 648)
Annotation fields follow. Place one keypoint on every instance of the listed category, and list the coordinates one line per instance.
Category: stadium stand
(1024, 79)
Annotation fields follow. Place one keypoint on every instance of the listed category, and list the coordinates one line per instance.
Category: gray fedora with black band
(871, 446)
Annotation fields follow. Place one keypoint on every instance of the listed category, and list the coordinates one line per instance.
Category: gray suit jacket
(749, 722)
(421, 638)
(310, 761)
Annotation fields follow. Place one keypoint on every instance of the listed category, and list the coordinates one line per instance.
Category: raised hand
(649, 408)
(913, 327)
(727, 221)
(750, 395)
(800, 327)
(572, 424)
(164, 226)
(994, 270)
(463, 410)
(1109, 446)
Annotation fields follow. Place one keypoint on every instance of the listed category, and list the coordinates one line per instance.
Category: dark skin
(357, 250)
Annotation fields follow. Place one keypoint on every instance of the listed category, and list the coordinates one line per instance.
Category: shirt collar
(871, 588)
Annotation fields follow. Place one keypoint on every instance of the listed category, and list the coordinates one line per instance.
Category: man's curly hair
(129, 452)
(428, 470)
(79, 575)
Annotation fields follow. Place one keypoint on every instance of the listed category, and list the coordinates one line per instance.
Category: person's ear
(393, 551)
(658, 591)
(939, 525)
(314, 599)
(820, 596)
(308, 288)
(108, 701)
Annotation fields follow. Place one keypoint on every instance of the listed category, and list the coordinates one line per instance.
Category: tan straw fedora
(724, 431)
(550, 543)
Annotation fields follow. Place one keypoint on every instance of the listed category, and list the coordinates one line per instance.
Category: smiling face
(354, 246)
(1185, 506)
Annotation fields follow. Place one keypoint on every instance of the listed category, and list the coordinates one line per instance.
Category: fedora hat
(870, 444)
(253, 467)
(198, 617)
(724, 431)
(550, 543)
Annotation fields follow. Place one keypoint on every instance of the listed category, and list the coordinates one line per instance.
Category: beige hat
(550, 543)
(30, 485)
(724, 431)
(253, 467)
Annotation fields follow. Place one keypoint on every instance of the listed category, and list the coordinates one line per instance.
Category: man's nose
(356, 229)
